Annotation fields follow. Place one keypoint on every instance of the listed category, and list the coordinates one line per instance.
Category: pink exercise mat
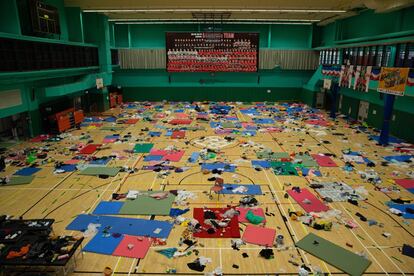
(315, 204)
(324, 161)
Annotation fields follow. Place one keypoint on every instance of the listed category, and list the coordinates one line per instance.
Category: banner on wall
(393, 80)
(362, 77)
(345, 76)
(375, 73)
(330, 70)
(410, 79)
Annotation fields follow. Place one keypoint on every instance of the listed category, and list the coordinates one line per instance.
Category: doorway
(363, 111)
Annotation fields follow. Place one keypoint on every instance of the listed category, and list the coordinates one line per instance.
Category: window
(410, 56)
(380, 51)
(372, 55)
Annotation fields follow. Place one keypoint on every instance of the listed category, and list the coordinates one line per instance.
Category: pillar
(388, 106)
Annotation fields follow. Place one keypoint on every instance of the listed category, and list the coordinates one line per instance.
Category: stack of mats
(115, 233)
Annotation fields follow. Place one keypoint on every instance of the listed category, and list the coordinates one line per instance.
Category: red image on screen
(212, 52)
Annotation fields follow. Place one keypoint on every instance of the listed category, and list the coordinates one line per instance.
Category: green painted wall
(245, 94)
(367, 26)
(75, 28)
(271, 36)
(39, 87)
(9, 17)
(403, 114)
(161, 78)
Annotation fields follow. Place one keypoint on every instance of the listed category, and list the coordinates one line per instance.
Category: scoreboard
(212, 52)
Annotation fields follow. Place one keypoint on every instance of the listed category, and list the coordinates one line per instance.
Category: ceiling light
(214, 22)
(213, 10)
(126, 20)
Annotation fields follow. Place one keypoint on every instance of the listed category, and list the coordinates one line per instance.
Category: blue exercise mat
(101, 162)
(215, 124)
(223, 166)
(250, 127)
(108, 208)
(263, 121)
(399, 158)
(128, 226)
(112, 137)
(155, 133)
(249, 132)
(251, 189)
(231, 119)
(403, 207)
(110, 119)
(175, 212)
(153, 158)
(194, 157)
(305, 172)
(68, 168)
(103, 245)
(252, 111)
(27, 171)
(391, 139)
(92, 119)
(261, 163)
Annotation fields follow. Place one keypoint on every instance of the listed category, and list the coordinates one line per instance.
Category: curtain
(268, 59)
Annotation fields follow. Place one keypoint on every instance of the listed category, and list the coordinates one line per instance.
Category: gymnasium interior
(156, 137)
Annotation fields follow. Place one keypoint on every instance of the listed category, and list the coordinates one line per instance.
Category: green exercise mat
(334, 255)
(7, 144)
(143, 148)
(20, 180)
(228, 125)
(146, 205)
(111, 171)
(310, 164)
(271, 155)
(307, 161)
(283, 168)
(112, 128)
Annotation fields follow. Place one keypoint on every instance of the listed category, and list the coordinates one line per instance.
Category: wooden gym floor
(64, 196)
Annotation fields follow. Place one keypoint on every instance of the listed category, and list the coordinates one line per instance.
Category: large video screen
(212, 52)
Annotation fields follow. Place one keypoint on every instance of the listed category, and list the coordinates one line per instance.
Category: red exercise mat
(259, 235)
(181, 115)
(89, 149)
(39, 138)
(256, 211)
(178, 134)
(324, 161)
(317, 122)
(72, 162)
(405, 183)
(231, 231)
(139, 247)
(131, 121)
(315, 204)
(173, 156)
(180, 121)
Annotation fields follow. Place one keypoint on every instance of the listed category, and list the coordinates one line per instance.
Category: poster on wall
(327, 83)
(356, 78)
(99, 83)
(393, 80)
(362, 77)
(212, 52)
(345, 77)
